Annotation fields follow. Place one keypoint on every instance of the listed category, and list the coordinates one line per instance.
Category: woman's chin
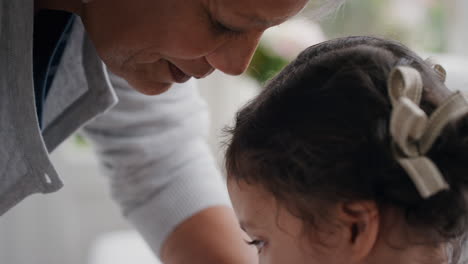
(150, 88)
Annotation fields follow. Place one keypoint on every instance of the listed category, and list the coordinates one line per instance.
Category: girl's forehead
(260, 213)
(251, 202)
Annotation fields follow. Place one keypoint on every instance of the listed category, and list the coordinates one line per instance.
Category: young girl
(356, 153)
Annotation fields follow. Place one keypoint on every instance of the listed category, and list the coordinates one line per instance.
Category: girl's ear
(361, 222)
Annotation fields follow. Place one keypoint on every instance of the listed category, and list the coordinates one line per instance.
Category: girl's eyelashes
(259, 244)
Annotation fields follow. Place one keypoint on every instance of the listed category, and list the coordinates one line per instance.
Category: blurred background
(81, 225)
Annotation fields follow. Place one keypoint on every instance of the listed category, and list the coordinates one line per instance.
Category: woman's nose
(233, 57)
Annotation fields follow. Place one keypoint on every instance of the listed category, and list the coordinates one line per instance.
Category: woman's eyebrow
(250, 19)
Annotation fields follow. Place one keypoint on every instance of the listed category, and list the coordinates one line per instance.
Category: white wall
(458, 34)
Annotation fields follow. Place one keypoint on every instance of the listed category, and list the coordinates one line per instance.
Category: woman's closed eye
(220, 28)
(223, 29)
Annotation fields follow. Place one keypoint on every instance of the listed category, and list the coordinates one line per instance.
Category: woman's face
(278, 235)
(155, 43)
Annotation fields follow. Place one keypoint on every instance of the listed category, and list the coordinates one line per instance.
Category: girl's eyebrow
(244, 225)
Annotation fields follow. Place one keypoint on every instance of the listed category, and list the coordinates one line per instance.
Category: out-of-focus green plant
(356, 17)
(388, 18)
(265, 64)
(425, 30)
(437, 27)
(282, 44)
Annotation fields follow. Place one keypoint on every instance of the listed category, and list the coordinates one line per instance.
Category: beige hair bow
(413, 132)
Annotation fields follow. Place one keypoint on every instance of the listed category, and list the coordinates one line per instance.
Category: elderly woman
(53, 81)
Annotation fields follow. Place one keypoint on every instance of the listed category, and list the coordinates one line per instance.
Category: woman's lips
(178, 75)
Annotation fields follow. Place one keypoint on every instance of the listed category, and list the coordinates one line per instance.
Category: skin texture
(352, 233)
(212, 236)
(141, 40)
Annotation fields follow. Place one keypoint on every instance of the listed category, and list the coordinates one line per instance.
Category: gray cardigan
(153, 148)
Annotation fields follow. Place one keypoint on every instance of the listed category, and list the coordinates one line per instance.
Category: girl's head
(312, 170)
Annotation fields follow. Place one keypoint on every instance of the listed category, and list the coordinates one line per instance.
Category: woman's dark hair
(320, 131)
